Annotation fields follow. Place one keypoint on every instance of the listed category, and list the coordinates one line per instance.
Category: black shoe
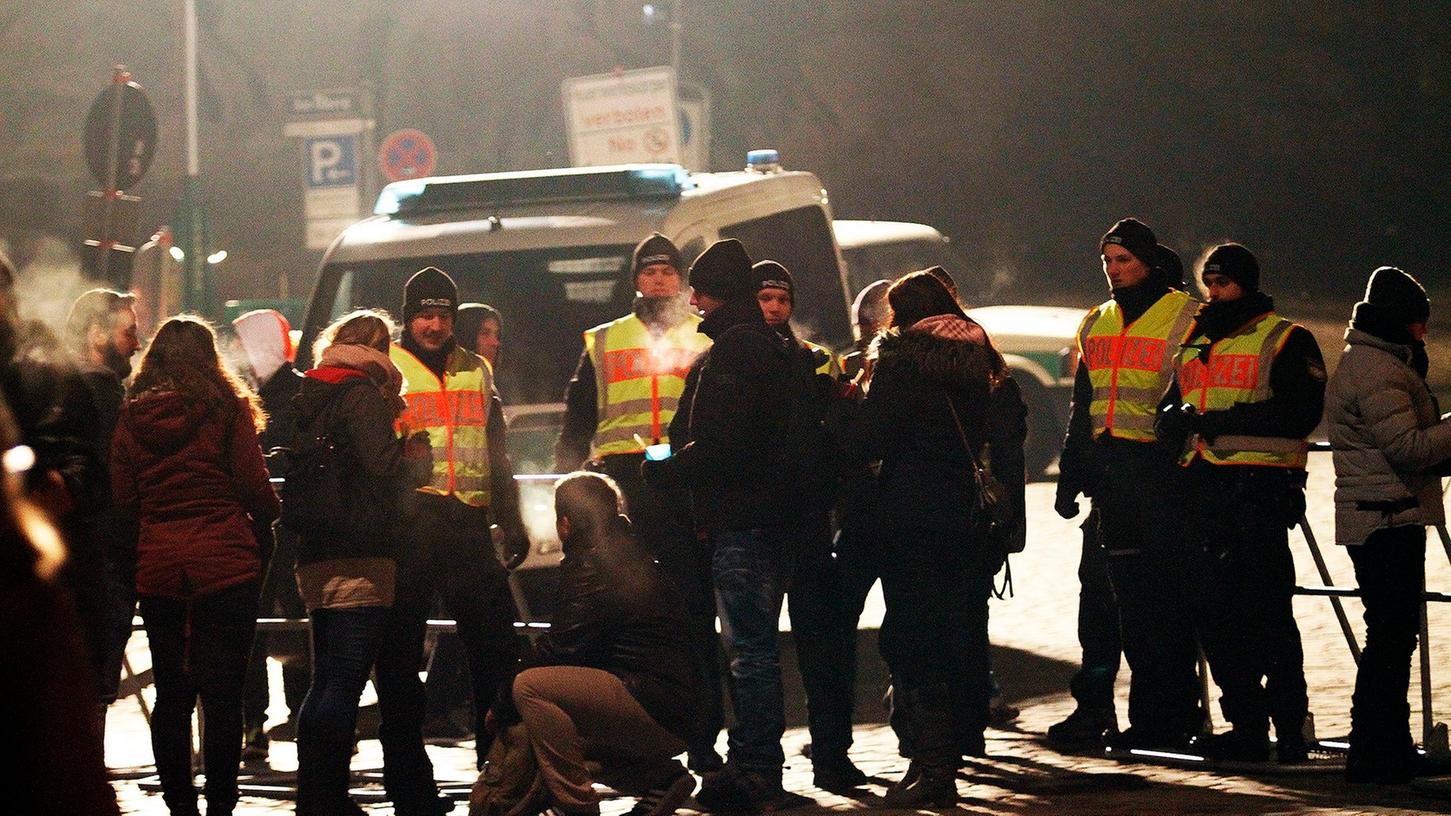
(1084, 727)
(254, 745)
(735, 790)
(703, 761)
(1290, 751)
(836, 775)
(923, 786)
(1235, 745)
(666, 799)
(1143, 739)
(285, 731)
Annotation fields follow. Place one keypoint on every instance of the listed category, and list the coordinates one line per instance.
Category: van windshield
(547, 299)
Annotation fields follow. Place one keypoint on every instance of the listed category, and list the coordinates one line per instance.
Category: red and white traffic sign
(407, 154)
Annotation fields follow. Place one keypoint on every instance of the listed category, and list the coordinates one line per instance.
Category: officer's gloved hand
(1065, 503)
(1175, 423)
(516, 548)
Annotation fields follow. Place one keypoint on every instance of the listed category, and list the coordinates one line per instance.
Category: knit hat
(723, 271)
(1167, 262)
(654, 250)
(771, 275)
(430, 287)
(1133, 235)
(265, 337)
(1236, 263)
(1396, 294)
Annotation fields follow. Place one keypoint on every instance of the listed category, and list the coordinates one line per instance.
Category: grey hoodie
(1386, 435)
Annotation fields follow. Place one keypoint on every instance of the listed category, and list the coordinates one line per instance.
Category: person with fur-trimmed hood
(929, 410)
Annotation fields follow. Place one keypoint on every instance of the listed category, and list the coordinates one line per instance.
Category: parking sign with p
(332, 161)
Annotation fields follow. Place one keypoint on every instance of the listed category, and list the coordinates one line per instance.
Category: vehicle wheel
(1045, 430)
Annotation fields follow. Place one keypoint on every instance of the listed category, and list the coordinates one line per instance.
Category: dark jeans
(447, 553)
(120, 612)
(1098, 626)
(751, 570)
(279, 597)
(858, 551)
(199, 649)
(935, 632)
(823, 652)
(662, 520)
(344, 645)
(1391, 570)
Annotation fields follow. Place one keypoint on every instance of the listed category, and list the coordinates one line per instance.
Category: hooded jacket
(926, 474)
(1386, 434)
(191, 475)
(345, 405)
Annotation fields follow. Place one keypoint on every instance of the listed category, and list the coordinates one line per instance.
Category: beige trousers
(573, 714)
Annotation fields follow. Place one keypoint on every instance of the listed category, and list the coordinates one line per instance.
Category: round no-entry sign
(407, 154)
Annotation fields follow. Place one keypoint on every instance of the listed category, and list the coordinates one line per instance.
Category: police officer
(1252, 386)
(623, 396)
(447, 549)
(1127, 349)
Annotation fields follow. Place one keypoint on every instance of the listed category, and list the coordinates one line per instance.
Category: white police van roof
(852, 234)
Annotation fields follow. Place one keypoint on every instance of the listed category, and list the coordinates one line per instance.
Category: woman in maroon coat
(186, 465)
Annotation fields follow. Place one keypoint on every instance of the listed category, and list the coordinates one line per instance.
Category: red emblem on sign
(407, 154)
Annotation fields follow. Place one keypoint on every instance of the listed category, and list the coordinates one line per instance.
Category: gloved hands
(1065, 503)
(516, 548)
(1175, 423)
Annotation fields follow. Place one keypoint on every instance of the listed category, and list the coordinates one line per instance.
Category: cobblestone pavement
(1035, 649)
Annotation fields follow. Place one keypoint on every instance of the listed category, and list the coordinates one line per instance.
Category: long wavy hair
(362, 327)
(183, 357)
(924, 294)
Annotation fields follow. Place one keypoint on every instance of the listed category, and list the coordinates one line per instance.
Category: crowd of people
(721, 467)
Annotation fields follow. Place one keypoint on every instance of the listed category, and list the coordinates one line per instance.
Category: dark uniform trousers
(1242, 515)
(1151, 565)
(1098, 625)
(662, 521)
(447, 551)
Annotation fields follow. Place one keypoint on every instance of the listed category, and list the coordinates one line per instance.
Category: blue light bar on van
(487, 190)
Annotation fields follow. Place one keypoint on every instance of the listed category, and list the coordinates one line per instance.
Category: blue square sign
(331, 161)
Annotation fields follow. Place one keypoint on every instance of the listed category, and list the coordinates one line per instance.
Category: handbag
(987, 531)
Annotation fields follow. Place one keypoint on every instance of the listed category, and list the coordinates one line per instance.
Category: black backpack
(317, 499)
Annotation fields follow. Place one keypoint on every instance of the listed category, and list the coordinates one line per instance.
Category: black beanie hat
(1397, 295)
(771, 275)
(653, 250)
(723, 271)
(1236, 263)
(428, 288)
(1167, 262)
(1133, 235)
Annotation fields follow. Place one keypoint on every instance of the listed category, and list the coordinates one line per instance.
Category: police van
(1037, 342)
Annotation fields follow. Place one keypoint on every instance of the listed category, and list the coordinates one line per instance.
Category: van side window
(801, 240)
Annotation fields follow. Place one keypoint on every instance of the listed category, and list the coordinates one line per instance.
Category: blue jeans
(344, 645)
(750, 569)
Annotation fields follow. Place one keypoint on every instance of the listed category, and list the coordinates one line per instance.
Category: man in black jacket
(614, 679)
(738, 465)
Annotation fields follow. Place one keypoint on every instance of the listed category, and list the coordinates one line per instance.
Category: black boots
(931, 778)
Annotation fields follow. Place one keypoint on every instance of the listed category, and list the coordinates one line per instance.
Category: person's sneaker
(837, 775)
(1236, 745)
(254, 745)
(1084, 727)
(1001, 713)
(666, 799)
(285, 731)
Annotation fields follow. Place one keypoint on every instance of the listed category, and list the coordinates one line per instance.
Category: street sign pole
(119, 77)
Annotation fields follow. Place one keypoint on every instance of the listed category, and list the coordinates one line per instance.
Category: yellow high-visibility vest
(455, 412)
(639, 376)
(832, 365)
(1132, 366)
(1235, 369)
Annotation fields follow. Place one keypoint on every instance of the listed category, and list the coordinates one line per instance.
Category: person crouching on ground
(614, 680)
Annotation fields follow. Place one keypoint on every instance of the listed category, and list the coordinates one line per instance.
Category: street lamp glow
(177, 255)
(217, 257)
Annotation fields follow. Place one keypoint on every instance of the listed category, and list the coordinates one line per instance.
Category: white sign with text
(622, 118)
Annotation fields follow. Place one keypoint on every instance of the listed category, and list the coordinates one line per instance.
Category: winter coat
(616, 611)
(737, 461)
(345, 405)
(1386, 434)
(277, 400)
(191, 475)
(926, 478)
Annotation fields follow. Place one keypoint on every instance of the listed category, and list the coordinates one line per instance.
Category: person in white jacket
(1388, 440)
